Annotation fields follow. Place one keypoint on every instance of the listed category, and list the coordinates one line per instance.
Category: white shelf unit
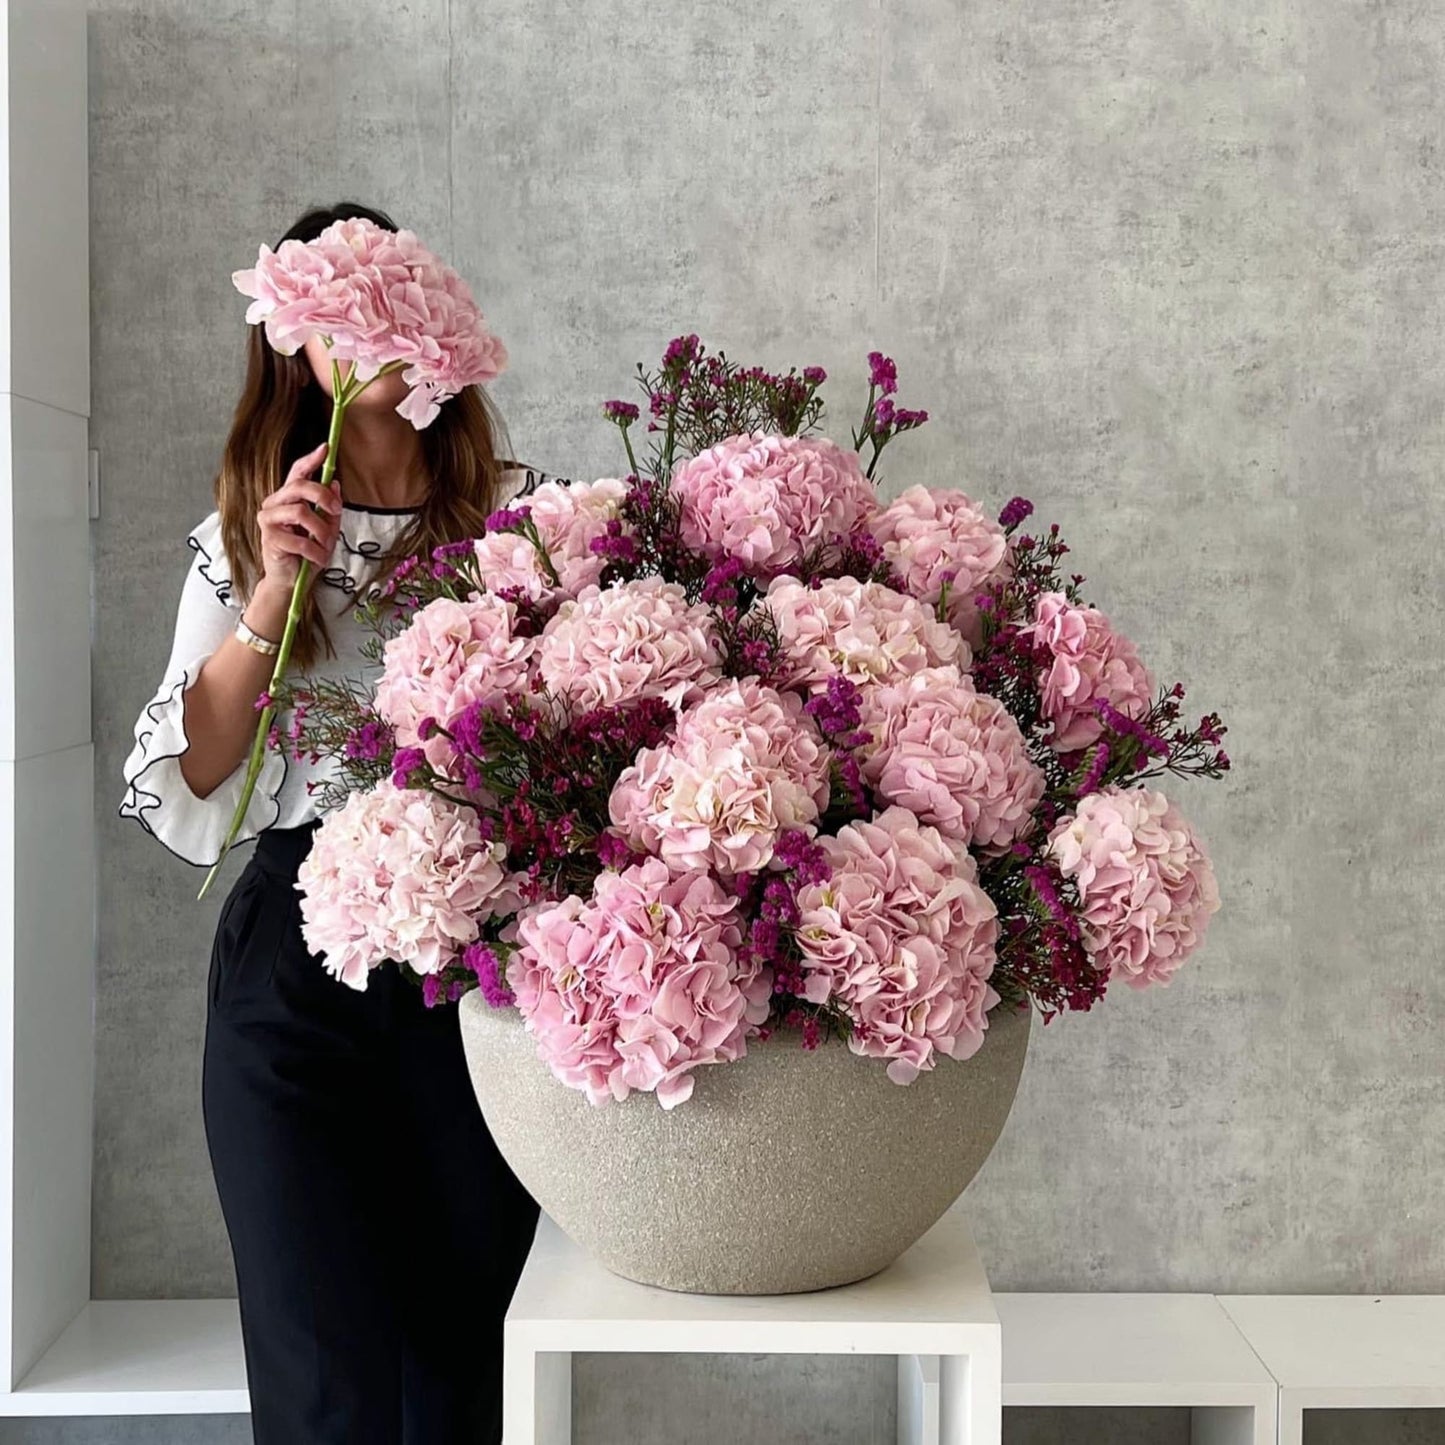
(140, 1357)
(932, 1309)
(1118, 1350)
(47, 802)
(1330, 1352)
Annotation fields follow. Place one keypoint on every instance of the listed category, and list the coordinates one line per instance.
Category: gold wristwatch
(255, 641)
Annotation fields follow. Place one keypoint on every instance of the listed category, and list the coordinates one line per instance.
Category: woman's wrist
(265, 613)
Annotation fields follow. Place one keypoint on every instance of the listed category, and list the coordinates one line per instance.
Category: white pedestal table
(932, 1309)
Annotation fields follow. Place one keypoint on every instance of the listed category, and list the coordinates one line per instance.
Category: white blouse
(287, 791)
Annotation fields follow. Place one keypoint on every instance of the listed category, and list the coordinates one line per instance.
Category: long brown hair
(283, 413)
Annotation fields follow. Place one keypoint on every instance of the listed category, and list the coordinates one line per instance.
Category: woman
(376, 1231)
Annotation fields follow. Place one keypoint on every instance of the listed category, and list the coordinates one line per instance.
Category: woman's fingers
(304, 466)
(298, 475)
(327, 498)
(314, 540)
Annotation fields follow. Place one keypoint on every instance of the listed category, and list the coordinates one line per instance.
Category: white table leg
(536, 1395)
(918, 1403)
(971, 1398)
(1231, 1425)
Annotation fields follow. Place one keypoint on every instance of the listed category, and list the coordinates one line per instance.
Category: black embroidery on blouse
(367, 549)
(221, 585)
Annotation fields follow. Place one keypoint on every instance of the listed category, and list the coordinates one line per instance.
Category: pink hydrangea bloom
(769, 500)
(569, 518)
(953, 756)
(380, 298)
(863, 630)
(1145, 882)
(640, 986)
(399, 875)
(627, 641)
(933, 538)
(745, 764)
(1089, 661)
(903, 938)
(451, 655)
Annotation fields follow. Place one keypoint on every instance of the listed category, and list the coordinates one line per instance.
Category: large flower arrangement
(730, 746)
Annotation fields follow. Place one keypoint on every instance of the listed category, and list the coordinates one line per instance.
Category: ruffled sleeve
(157, 795)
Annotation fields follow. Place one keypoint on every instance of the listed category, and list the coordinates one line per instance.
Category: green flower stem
(342, 395)
(631, 460)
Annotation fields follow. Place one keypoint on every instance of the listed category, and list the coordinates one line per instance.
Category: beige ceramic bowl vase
(785, 1171)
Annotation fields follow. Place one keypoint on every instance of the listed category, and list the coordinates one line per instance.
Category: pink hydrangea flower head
(640, 986)
(631, 640)
(903, 938)
(951, 755)
(381, 299)
(451, 655)
(769, 500)
(399, 875)
(745, 765)
(568, 518)
(934, 538)
(862, 630)
(1146, 886)
(1089, 661)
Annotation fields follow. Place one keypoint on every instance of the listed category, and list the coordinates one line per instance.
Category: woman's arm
(220, 705)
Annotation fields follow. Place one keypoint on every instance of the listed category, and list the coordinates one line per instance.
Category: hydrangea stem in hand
(344, 391)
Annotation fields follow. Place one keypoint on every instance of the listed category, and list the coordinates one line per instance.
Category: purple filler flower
(406, 762)
(484, 962)
(882, 372)
(1015, 512)
(369, 741)
(622, 412)
(508, 519)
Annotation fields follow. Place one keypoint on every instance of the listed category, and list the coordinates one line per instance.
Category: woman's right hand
(291, 530)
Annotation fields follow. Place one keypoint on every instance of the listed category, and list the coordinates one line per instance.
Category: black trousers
(377, 1232)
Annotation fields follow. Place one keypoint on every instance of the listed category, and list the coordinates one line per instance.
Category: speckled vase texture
(785, 1171)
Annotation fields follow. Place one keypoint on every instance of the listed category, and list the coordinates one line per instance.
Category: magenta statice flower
(405, 764)
(882, 373)
(1016, 511)
(1088, 663)
(953, 756)
(1146, 886)
(862, 630)
(507, 519)
(902, 938)
(770, 500)
(628, 641)
(745, 766)
(369, 741)
(482, 960)
(838, 712)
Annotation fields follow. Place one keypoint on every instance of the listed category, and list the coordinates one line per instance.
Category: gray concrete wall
(1173, 270)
